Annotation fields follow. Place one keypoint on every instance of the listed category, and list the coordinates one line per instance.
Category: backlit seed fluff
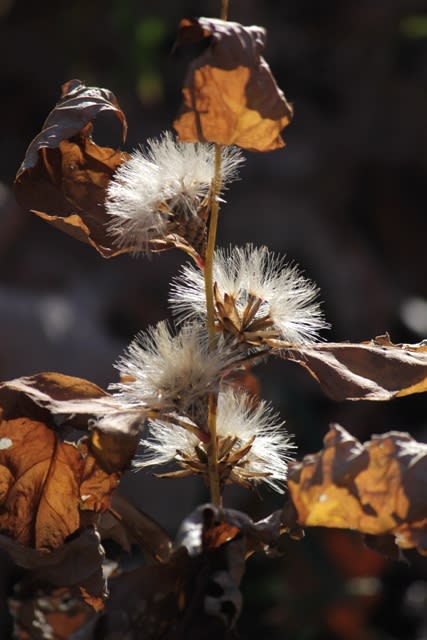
(167, 177)
(258, 451)
(172, 373)
(283, 301)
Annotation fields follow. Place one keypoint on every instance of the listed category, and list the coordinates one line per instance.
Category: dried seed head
(253, 445)
(161, 193)
(173, 373)
(257, 296)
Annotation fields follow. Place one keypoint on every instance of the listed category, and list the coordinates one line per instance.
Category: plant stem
(224, 9)
(210, 249)
(212, 451)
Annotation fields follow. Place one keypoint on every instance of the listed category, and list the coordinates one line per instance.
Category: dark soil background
(345, 199)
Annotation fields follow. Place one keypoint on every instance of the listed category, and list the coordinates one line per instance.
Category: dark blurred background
(345, 199)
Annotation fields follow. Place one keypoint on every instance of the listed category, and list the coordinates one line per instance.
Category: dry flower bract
(257, 295)
(230, 95)
(162, 192)
(253, 445)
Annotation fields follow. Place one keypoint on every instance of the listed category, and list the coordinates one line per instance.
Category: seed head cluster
(158, 194)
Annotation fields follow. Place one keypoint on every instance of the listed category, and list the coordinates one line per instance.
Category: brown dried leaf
(64, 174)
(59, 567)
(209, 527)
(63, 402)
(230, 95)
(195, 592)
(78, 106)
(376, 488)
(46, 483)
(374, 370)
(147, 602)
(58, 615)
(49, 391)
(128, 525)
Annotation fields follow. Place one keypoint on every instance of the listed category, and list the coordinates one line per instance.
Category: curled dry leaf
(374, 370)
(64, 174)
(59, 567)
(50, 488)
(50, 392)
(209, 527)
(46, 483)
(230, 95)
(194, 593)
(219, 541)
(67, 403)
(147, 602)
(377, 488)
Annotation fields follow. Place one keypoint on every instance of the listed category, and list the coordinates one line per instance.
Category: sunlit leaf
(45, 483)
(374, 370)
(66, 403)
(230, 95)
(377, 488)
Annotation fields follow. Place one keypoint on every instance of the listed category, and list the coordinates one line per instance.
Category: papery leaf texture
(46, 483)
(68, 404)
(59, 568)
(64, 175)
(230, 95)
(372, 370)
(376, 488)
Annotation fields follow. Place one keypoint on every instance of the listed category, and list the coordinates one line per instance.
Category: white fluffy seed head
(170, 372)
(265, 460)
(168, 176)
(288, 298)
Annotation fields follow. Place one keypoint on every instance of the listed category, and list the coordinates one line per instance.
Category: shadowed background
(345, 199)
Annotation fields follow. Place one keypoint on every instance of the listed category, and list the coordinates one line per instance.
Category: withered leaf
(147, 602)
(64, 174)
(63, 402)
(374, 370)
(230, 95)
(58, 615)
(209, 527)
(60, 568)
(128, 525)
(46, 483)
(78, 106)
(377, 488)
(48, 390)
(195, 592)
